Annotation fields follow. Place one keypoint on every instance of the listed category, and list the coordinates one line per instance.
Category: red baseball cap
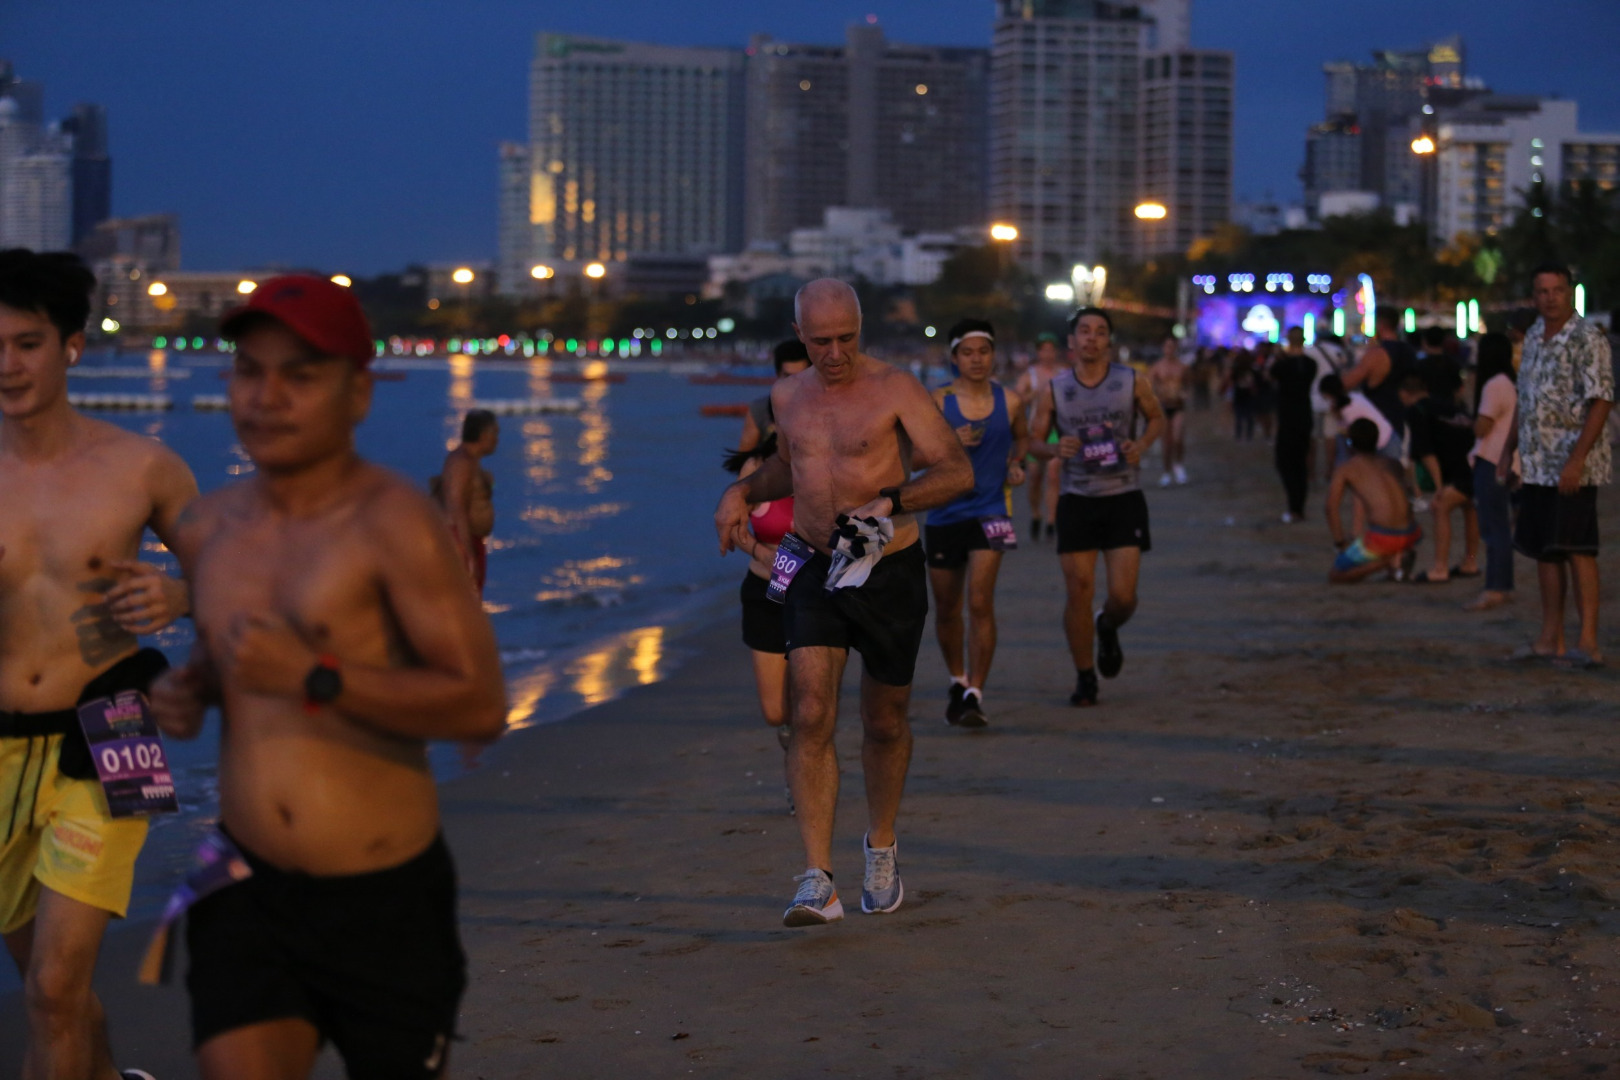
(323, 313)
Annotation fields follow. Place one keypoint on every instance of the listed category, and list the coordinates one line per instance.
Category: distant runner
(790, 358)
(1170, 377)
(336, 631)
(467, 491)
(1094, 407)
(852, 574)
(1390, 531)
(1044, 473)
(76, 494)
(966, 537)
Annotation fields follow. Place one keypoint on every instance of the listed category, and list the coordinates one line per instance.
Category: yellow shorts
(57, 833)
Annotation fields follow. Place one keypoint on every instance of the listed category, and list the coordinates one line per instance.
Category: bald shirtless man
(75, 496)
(850, 431)
(337, 634)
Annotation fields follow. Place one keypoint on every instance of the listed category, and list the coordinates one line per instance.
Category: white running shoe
(1181, 475)
(1164, 481)
(815, 903)
(881, 891)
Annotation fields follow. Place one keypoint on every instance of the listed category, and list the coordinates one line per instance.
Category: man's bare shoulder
(391, 504)
(886, 378)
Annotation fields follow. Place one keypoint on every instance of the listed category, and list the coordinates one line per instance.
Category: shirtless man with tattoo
(76, 495)
(337, 634)
(851, 431)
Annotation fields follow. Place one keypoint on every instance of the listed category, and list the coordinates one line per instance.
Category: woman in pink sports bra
(762, 629)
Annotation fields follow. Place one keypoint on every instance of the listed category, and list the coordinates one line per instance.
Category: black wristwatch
(323, 683)
(893, 495)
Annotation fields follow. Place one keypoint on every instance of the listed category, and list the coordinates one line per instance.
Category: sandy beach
(1308, 831)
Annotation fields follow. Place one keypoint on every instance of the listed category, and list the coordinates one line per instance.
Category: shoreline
(1308, 830)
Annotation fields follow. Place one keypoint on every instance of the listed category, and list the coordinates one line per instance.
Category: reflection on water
(570, 520)
(579, 577)
(633, 658)
(595, 430)
(460, 397)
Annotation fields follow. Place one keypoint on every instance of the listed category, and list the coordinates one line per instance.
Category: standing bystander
(1493, 418)
(1566, 390)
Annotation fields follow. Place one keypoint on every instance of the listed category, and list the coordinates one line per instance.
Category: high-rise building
(92, 168)
(36, 203)
(1364, 141)
(1185, 145)
(1172, 24)
(127, 255)
(29, 96)
(514, 240)
(634, 149)
(1493, 149)
(1064, 113)
(872, 125)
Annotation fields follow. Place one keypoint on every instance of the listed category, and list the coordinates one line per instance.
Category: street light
(595, 271)
(1060, 292)
(245, 286)
(1003, 232)
(342, 279)
(1151, 211)
(157, 288)
(1423, 145)
(542, 272)
(462, 276)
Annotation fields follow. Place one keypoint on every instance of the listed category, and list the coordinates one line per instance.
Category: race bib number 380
(128, 752)
(791, 555)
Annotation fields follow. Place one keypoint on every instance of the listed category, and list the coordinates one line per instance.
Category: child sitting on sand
(1376, 482)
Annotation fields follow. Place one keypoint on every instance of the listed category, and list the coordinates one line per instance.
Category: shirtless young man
(75, 496)
(336, 631)
(1095, 408)
(1043, 473)
(1376, 483)
(1168, 376)
(966, 537)
(468, 491)
(850, 432)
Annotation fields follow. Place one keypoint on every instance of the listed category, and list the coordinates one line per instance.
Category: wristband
(893, 495)
(323, 684)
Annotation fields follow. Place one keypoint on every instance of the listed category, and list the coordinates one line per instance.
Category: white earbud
(73, 357)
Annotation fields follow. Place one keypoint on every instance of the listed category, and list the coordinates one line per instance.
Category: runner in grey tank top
(1101, 417)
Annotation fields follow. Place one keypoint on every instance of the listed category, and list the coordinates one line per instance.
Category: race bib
(791, 555)
(1099, 451)
(999, 534)
(128, 753)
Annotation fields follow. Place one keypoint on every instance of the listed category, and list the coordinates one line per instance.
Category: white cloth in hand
(857, 544)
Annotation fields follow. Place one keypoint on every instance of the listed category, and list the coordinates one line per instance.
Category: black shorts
(948, 545)
(882, 619)
(1102, 522)
(373, 960)
(761, 618)
(1553, 526)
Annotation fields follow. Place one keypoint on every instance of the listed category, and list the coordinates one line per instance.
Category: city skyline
(373, 143)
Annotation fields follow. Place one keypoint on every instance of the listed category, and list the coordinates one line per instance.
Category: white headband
(973, 333)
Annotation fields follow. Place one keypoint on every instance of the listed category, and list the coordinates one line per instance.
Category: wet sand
(1308, 831)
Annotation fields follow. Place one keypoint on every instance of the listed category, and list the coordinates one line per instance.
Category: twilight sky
(360, 135)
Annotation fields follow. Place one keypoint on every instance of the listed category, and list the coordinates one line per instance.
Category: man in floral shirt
(1566, 389)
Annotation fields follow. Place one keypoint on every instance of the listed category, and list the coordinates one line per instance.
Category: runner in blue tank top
(965, 538)
(1095, 407)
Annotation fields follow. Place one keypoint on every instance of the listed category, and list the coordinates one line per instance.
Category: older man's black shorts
(882, 619)
(373, 961)
(1553, 526)
(1102, 522)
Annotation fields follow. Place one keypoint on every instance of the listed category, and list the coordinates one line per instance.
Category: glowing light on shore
(342, 279)
(1003, 232)
(462, 276)
(157, 288)
(595, 271)
(1423, 145)
(1152, 211)
(245, 286)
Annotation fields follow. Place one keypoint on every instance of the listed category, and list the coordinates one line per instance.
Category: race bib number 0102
(791, 555)
(128, 753)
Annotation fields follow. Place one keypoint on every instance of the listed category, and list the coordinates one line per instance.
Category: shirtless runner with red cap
(337, 633)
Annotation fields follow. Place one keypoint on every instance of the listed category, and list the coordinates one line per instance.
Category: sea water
(603, 550)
